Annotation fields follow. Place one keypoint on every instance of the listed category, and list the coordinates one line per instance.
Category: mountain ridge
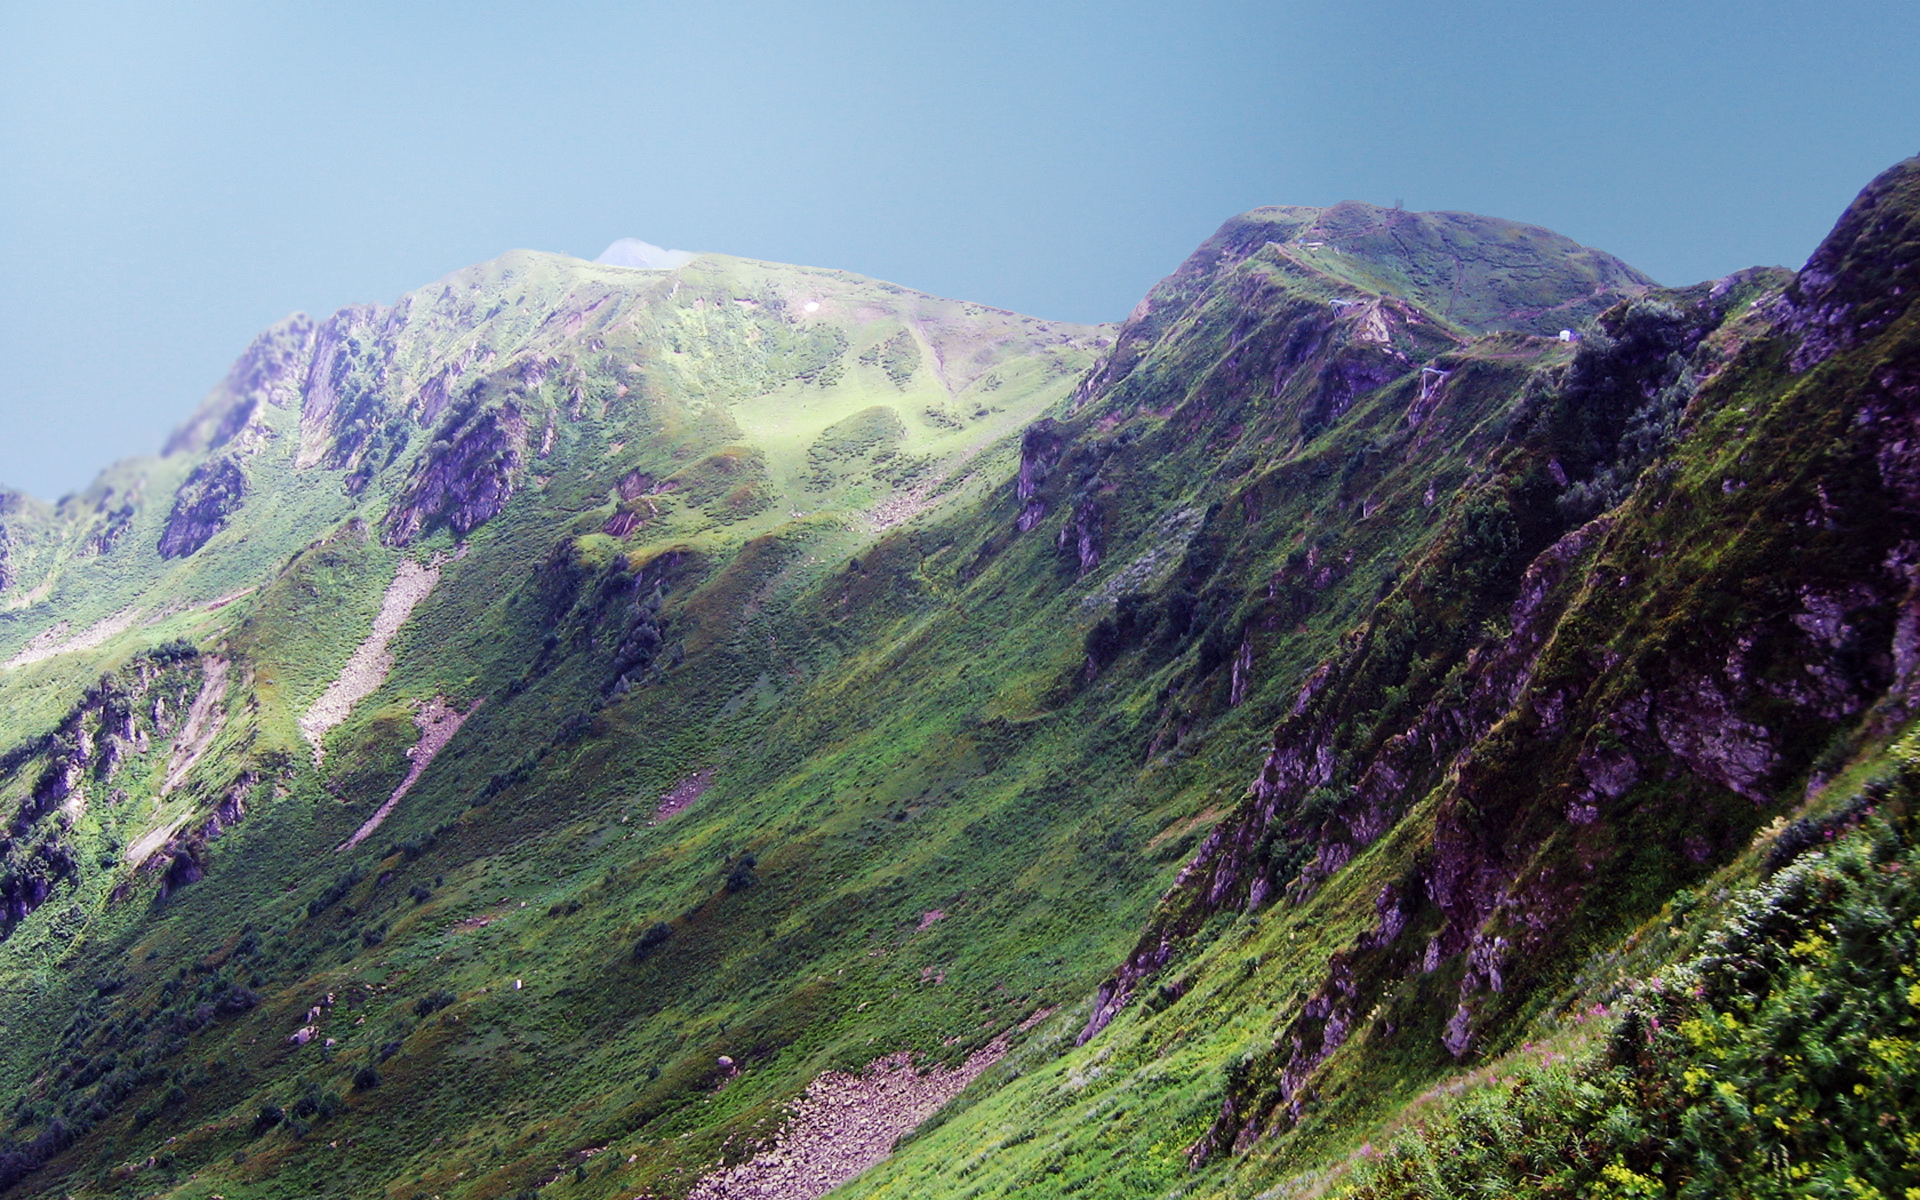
(1192, 742)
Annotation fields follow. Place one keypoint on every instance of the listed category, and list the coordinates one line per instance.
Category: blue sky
(174, 178)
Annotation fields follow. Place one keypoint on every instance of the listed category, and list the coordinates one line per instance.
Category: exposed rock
(1082, 537)
(269, 373)
(88, 746)
(203, 722)
(465, 478)
(676, 799)
(114, 520)
(211, 494)
(340, 386)
(438, 721)
(843, 1125)
(1865, 274)
(1040, 449)
(56, 640)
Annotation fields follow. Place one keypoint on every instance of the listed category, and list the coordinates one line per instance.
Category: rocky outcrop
(113, 522)
(1866, 273)
(465, 478)
(271, 372)
(1645, 702)
(343, 377)
(212, 493)
(1081, 538)
(124, 713)
(1040, 449)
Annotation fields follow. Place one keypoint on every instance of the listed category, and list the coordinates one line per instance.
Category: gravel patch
(367, 669)
(438, 722)
(49, 643)
(682, 794)
(203, 721)
(844, 1124)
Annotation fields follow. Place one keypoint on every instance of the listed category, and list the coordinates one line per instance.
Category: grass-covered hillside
(746, 730)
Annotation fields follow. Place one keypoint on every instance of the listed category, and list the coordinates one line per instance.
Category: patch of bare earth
(220, 603)
(203, 722)
(54, 641)
(682, 794)
(844, 1124)
(438, 721)
(367, 669)
(149, 844)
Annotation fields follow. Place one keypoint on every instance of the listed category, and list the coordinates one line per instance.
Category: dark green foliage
(657, 935)
(1783, 1060)
(333, 893)
(741, 877)
(898, 356)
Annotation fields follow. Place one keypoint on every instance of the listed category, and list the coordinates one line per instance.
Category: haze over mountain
(1417, 709)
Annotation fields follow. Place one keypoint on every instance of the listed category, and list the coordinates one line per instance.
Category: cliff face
(115, 729)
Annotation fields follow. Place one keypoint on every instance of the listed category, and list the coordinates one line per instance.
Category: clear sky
(175, 177)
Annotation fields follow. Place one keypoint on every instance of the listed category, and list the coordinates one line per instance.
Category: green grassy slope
(845, 672)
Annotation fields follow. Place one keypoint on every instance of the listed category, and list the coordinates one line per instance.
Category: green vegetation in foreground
(1782, 1058)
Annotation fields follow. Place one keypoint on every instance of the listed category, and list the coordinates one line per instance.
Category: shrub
(742, 877)
(656, 936)
(433, 1002)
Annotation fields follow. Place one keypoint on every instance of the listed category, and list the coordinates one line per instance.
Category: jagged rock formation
(1643, 695)
(120, 718)
(211, 494)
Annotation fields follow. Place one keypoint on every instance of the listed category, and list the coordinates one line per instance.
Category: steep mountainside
(602, 731)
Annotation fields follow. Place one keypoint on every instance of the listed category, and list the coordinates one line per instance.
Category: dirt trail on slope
(203, 721)
(844, 1124)
(367, 669)
(438, 722)
(46, 645)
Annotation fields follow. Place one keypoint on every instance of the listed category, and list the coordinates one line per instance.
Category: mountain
(735, 729)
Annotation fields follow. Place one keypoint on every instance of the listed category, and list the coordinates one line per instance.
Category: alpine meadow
(1417, 710)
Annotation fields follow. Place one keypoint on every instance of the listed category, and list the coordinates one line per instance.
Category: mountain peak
(632, 252)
